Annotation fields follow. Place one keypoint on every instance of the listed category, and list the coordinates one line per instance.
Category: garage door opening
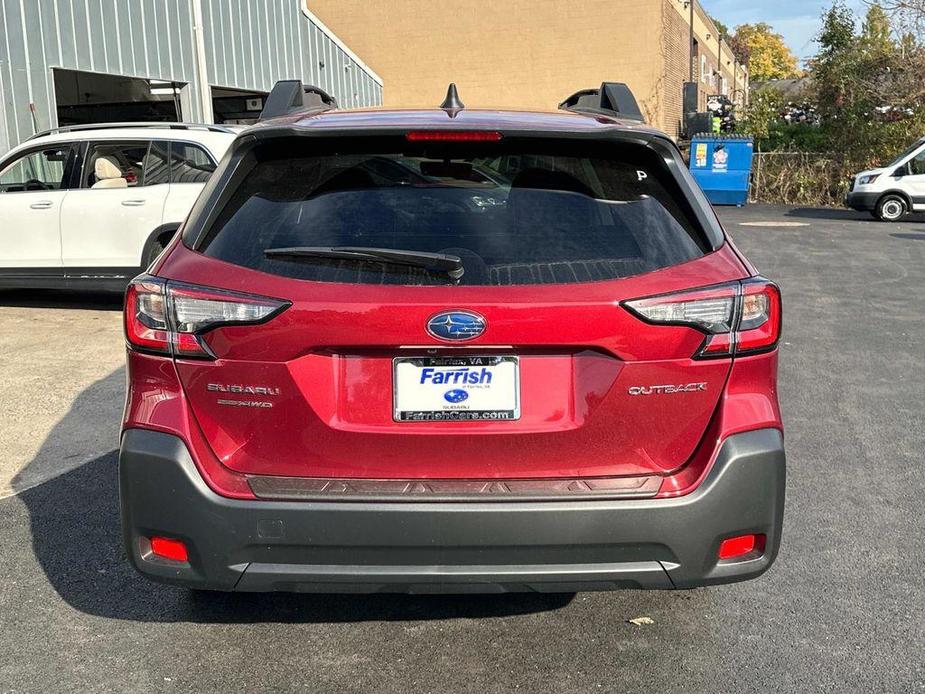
(231, 106)
(90, 97)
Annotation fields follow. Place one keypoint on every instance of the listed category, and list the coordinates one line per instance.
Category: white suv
(891, 192)
(90, 206)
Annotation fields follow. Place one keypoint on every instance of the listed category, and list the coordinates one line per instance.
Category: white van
(891, 192)
(90, 206)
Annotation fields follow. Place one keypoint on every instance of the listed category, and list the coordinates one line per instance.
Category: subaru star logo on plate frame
(456, 326)
(456, 396)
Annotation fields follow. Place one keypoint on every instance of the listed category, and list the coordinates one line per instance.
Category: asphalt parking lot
(842, 610)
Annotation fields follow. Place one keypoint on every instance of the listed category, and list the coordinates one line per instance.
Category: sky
(797, 20)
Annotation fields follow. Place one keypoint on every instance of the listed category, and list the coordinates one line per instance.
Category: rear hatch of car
(498, 344)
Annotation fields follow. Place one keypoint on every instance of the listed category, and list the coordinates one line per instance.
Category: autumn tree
(739, 49)
(768, 55)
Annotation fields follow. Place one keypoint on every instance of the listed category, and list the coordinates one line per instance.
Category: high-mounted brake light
(170, 318)
(738, 318)
(453, 136)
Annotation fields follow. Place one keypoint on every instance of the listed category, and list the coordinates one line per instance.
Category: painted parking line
(773, 224)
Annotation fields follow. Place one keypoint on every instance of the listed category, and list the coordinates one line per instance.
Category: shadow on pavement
(841, 214)
(914, 237)
(834, 213)
(77, 540)
(58, 298)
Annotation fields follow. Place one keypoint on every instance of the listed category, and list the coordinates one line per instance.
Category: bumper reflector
(169, 549)
(741, 545)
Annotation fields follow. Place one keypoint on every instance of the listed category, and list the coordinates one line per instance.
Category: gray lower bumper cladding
(453, 547)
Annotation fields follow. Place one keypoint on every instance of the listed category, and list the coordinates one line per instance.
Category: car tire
(891, 208)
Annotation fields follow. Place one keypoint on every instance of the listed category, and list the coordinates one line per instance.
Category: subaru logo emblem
(457, 395)
(455, 326)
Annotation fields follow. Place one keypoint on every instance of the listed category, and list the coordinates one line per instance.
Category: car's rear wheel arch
(157, 241)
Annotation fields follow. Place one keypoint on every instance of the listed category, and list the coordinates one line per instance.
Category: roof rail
(612, 99)
(157, 124)
(291, 96)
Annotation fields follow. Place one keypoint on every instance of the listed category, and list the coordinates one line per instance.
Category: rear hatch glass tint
(516, 212)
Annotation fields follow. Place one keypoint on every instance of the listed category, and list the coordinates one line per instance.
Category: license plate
(456, 389)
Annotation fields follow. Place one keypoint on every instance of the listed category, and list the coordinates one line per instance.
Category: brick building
(533, 53)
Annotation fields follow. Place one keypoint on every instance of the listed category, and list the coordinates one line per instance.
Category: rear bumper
(862, 202)
(363, 547)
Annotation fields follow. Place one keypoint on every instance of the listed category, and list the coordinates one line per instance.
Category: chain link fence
(801, 178)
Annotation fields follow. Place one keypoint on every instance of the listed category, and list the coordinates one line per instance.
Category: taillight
(737, 318)
(167, 317)
(759, 325)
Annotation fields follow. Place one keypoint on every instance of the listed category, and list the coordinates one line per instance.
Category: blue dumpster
(722, 165)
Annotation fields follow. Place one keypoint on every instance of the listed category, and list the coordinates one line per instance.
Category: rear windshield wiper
(451, 264)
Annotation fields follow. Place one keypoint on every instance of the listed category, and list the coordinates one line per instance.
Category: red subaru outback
(452, 350)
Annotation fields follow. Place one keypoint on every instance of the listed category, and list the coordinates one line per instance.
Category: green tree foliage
(868, 85)
(762, 114)
(832, 69)
(876, 32)
(769, 58)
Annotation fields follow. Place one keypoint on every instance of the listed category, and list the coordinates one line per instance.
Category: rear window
(520, 211)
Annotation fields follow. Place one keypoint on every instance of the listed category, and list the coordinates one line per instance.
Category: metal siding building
(200, 44)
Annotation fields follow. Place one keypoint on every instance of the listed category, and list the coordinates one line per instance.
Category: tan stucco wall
(518, 53)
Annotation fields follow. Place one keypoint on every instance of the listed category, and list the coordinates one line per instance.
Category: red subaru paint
(452, 350)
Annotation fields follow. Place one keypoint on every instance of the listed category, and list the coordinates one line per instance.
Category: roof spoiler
(291, 96)
(611, 99)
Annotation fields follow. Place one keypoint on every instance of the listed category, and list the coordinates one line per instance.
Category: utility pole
(735, 75)
(691, 57)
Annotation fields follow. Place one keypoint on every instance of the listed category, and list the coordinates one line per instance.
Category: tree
(834, 68)
(908, 16)
(869, 89)
(720, 27)
(739, 49)
(876, 32)
(837, 33)
(769, 57)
